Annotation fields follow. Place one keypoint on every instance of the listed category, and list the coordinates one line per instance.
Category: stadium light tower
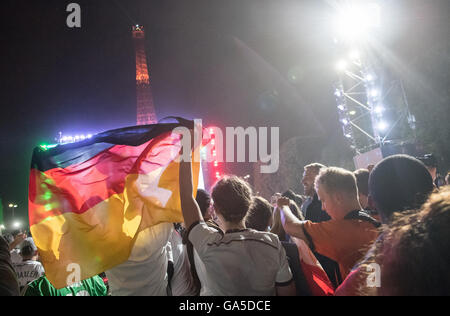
(369, 104)
(357, 93)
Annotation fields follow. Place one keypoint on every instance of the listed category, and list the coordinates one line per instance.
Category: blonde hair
(334, 179)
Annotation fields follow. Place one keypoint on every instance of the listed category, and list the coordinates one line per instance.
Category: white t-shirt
(201, 273)
(145, 272)
(28, 271)
(244, 263)
(182, 283)
(15, 256)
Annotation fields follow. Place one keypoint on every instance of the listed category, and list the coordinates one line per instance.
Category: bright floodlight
(341, 107)
(16, 224)
(369, 77)
(379, 109)
(354, 21)
(382, 126)
(341, 65)
(354, 55)
(374, 93)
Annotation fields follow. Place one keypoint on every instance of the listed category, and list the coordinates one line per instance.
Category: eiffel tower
(145, 107)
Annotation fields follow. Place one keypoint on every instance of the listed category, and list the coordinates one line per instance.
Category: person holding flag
(241, 261)
(106, 204)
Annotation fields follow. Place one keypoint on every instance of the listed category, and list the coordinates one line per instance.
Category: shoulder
(36, 287)
(249, 235)
(327, 225)
(36, 283)
(200, 233)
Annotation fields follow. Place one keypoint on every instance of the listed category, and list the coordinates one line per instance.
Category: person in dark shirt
(312, 211)
(9, 286)
(312, 207)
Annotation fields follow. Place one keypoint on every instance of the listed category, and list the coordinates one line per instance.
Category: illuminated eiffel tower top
(145, 107)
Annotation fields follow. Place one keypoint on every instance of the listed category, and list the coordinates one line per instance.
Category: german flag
(89, 200)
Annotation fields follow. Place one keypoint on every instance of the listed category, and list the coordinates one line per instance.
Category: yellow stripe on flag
(103, 236)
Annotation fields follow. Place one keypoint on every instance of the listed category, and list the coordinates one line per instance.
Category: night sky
(219, 60)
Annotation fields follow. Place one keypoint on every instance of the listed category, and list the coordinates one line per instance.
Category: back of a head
(362, 181)
(334, 179)
(28, 248)
(399, 183)
(203, 199)
(293, 196)
(260, 214)
(415, 253)
(296, 211)
(232, 198)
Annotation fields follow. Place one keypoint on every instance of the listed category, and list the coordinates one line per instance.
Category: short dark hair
(27, 251)
(232, 198)
(314, 166)
(28, 248)
(291, 195)
(259, 215)
(203, 199)
(399, 183)
(362, 181)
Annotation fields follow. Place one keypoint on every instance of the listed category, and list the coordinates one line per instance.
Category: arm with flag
(191, 210)
(90, 200)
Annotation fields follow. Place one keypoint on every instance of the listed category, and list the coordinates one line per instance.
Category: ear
(339, 197)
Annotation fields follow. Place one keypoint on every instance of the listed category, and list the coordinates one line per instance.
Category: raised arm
(291, 224)
(19, 238)
(189, 207)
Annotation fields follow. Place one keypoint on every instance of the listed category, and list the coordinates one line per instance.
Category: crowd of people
(377, 231)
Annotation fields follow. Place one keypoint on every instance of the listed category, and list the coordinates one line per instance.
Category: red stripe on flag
(80, 187)
(318, 281)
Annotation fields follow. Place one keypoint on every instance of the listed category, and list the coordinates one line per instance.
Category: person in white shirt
(239, 262)
(30, 268)
(145, 271)
(182, 283)
(14, 241)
